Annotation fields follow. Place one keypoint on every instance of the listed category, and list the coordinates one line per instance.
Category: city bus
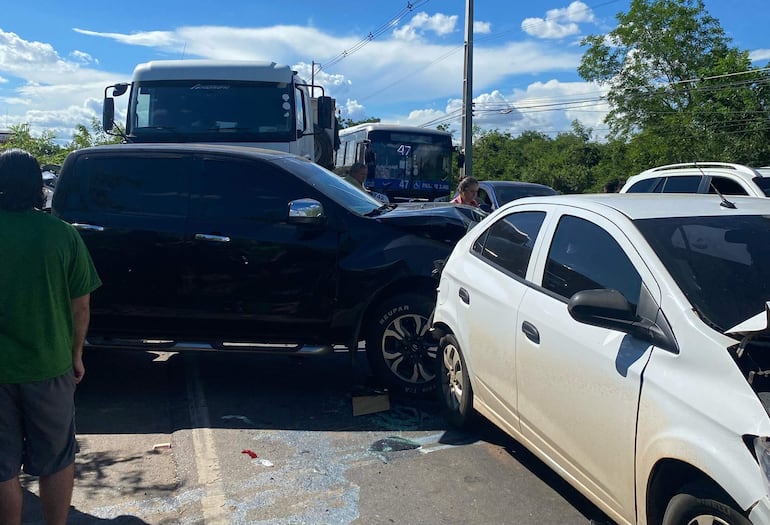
(403, 162)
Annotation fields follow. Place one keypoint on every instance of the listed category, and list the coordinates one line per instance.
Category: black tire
(456, 393)
(400, 350)
(699, 504)
(324, 149)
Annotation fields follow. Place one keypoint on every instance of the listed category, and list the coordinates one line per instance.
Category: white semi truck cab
(260, 104)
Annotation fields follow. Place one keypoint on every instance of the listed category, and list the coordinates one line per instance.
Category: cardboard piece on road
(370, 401)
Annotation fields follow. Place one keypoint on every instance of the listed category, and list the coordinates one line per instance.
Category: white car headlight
(762, 449)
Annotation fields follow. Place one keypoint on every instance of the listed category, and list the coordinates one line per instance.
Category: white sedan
(625, 340)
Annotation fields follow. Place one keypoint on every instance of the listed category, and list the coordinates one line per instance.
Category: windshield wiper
(385, 208)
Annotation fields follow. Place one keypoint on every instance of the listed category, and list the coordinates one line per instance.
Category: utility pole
(467, 123)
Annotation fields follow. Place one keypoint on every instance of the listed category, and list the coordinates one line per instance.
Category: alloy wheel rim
(453, 379)
(408, 350)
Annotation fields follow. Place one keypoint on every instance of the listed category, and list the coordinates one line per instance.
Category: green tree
(349, 122)
(675, 83)
(96, 136)
(43, 148)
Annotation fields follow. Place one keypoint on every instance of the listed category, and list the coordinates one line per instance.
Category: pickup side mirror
(608, 308)
(306, 211)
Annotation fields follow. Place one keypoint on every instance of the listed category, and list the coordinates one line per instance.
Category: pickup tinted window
(254, 191)
(130, 185)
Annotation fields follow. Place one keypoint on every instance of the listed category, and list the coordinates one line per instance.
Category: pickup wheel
(456, 394)
(699, 504)
(399, 347)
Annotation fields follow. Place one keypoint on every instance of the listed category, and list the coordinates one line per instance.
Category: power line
(372, 35)
(555, 104)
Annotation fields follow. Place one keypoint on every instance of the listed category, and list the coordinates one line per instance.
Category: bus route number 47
(404, 150)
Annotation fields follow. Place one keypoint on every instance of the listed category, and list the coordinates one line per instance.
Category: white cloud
(482, 27)
(37, 62)
(46, 90)
(759, 54)
(421, 23)
(16, 101)
(559, 23)
(351, 109)
(551, 106)
(83, 57)
(161, 39)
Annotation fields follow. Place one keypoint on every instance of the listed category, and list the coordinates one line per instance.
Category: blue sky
(57, 57)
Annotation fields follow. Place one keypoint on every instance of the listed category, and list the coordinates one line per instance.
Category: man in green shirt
(46, 278)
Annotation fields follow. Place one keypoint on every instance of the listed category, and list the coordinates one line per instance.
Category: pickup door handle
(87, 227)
(464, 296)
(211, 238)
(531, 332)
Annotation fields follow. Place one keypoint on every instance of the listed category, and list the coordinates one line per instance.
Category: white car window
(583, 256)
(508, 242)
(726, 186)
(682, 184)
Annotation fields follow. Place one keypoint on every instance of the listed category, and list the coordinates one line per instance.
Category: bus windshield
(402, 163)
(410, 164)
(212, 111)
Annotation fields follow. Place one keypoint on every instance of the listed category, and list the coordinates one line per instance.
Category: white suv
(625, 340)
(701, 177)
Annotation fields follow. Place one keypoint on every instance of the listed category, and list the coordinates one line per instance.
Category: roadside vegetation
(678, 91)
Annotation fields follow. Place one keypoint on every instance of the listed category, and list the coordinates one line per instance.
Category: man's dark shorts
(37, 427)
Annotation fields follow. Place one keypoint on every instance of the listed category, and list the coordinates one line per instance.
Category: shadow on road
(33, 515)
(141, 393)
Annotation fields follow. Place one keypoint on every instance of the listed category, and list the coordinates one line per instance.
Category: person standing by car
(46, 278)
(467, 191)
(358, 176)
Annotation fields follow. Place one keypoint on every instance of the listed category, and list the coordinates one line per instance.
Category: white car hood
(757, 324)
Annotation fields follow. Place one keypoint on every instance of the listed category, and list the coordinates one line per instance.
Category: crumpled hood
(447, 222)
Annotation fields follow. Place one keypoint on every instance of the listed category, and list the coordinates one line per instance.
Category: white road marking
(213, 501)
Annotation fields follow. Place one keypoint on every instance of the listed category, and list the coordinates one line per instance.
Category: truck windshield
(212, 111)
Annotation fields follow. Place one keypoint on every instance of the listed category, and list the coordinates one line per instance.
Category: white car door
(492, 289)
(579, 385)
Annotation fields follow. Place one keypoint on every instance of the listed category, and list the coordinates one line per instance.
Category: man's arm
(81, 315)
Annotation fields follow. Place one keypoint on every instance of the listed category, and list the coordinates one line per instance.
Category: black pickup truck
(237, 248)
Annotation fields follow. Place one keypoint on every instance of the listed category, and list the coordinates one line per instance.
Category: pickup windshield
(212, 111)
(333, 186)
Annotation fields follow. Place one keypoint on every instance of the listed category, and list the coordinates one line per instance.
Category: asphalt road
(208, 438)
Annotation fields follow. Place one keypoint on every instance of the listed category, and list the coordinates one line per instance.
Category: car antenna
(725, 203)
